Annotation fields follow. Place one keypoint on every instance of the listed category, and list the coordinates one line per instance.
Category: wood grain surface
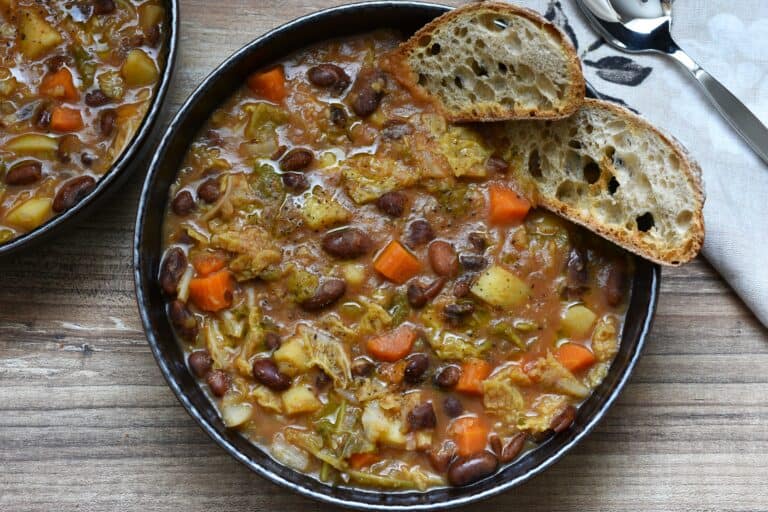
(87, 422)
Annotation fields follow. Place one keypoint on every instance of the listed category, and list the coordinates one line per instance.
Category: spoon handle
(733, 110)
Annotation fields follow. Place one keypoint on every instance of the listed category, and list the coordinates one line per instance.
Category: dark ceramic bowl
(223, 82)
(127, 162)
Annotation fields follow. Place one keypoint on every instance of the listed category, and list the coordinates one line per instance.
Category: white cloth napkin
(730, 40)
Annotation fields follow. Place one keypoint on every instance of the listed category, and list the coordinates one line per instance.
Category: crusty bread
(614, 173)
(492, 62)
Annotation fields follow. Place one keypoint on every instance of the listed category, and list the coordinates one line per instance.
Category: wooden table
(87, 422)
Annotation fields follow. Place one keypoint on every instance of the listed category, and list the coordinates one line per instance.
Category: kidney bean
(615, 284)
(442, 258)
(174, 265)
(327, 293)
(214, 138)
(329, 75)
(296, 159)
(512, 448)
(496, 164)
(107, 122)
(219, 382)
(368, 92)
(392, 203)
(478, 241)
(68, 145)
(419, 232)
(472, 261)
(338, 116)
(457, 312)
(322, 380)
(467, 470)
(209, 190)
(463, 285)
(362, 367)
(24, 173)
(346, 243)
(96, 98)
(395, 129)
(563, 420)
(266, 372)
(418, 294)
(153, 35)
(272, 340)
(448, 377)
(415, 368)
(72, 192)
(421, 417)
(57, 62)
(183, 320)
(576, 276)
(183, 203)
(295, 181)
(441, 457)
(453, 407)
(103, 6)
(200, 363)
(86, 159)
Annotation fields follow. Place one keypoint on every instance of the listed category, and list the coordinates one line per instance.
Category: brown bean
(209, 190)
(512, 448)
(467, 470)
(183, 203)
(214, 138)
(563, 420)
(616, 284)
(347, 243)
(463, 285)
(443, 259)
(419, 233)
(418, 294)
(576, 276)
(441, 456)
(219, 382)
(174, 265)
(96, 98)
(392, 203)
(200, 363)
(68, 145)
(415, 368)
(103, 6)
(322, 380)
(153, 35)
(72, 192)
(296, 159)
(338, 116)
(329, 75)
(57, 62)
(87, 159)
(183, 320)
(457, 312)
(453, 406)
(496, 164)
(448, 377)
(107, 122)
(24, 173)
(421, 417)
(472, 261)
(478, 241)
(266, 372)
(295, 181)
(327, 293)
(495, 442)
(369, 90)
(272, 340)
(362, 367)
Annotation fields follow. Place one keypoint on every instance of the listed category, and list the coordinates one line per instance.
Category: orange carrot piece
(470, 435)
(207, 263)
(393, 345)
(575, 357)
(506, 205)
(60, 85)
(64, 119)
(269, 84)
(362, 460)
(213, 292)
(396, 263)
(473, 373)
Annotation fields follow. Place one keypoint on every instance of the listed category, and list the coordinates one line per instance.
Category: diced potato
(354, 274)
(292, 357)
(320, 211)
(150, 15)
(380, 427)
(299, 399)
(577, 321)
(500, 287)
(32, 144)
(31, 213)
(236, 414)
(139, 69)
(36, 35)
(7, 7)
(605, 342)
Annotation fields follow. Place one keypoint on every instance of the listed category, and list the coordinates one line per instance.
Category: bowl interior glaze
(217, 87)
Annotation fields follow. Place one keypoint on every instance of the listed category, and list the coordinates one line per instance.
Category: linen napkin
(730, 40)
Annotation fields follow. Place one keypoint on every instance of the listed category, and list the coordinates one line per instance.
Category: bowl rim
(120, 168)
(328, 497)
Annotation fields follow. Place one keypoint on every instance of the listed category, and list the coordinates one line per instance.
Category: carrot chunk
(575, 357)
(64, 119)
(60, 85)
(213, 292)
(396, 263)
(506, 206)
(269, 84)
(393, 345)
(470, 435)
(473, 373)
(207, 263)
(362, 460)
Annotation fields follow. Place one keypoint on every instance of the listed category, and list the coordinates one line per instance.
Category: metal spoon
(638, 26)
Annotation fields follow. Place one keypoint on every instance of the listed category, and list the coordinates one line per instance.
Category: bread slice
(492, 62)
(614, 173)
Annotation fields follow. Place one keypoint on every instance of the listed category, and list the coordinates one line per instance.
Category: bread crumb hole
(422, 79)
(502, 68)
(575, 144)
(645, 222)
(591, 172)
(566, 191)
(534, 164)
(434, 49)
(425, 40)
(684, 218)
(613, 185)
(458, 82)
(478, 69)
(610, 151)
